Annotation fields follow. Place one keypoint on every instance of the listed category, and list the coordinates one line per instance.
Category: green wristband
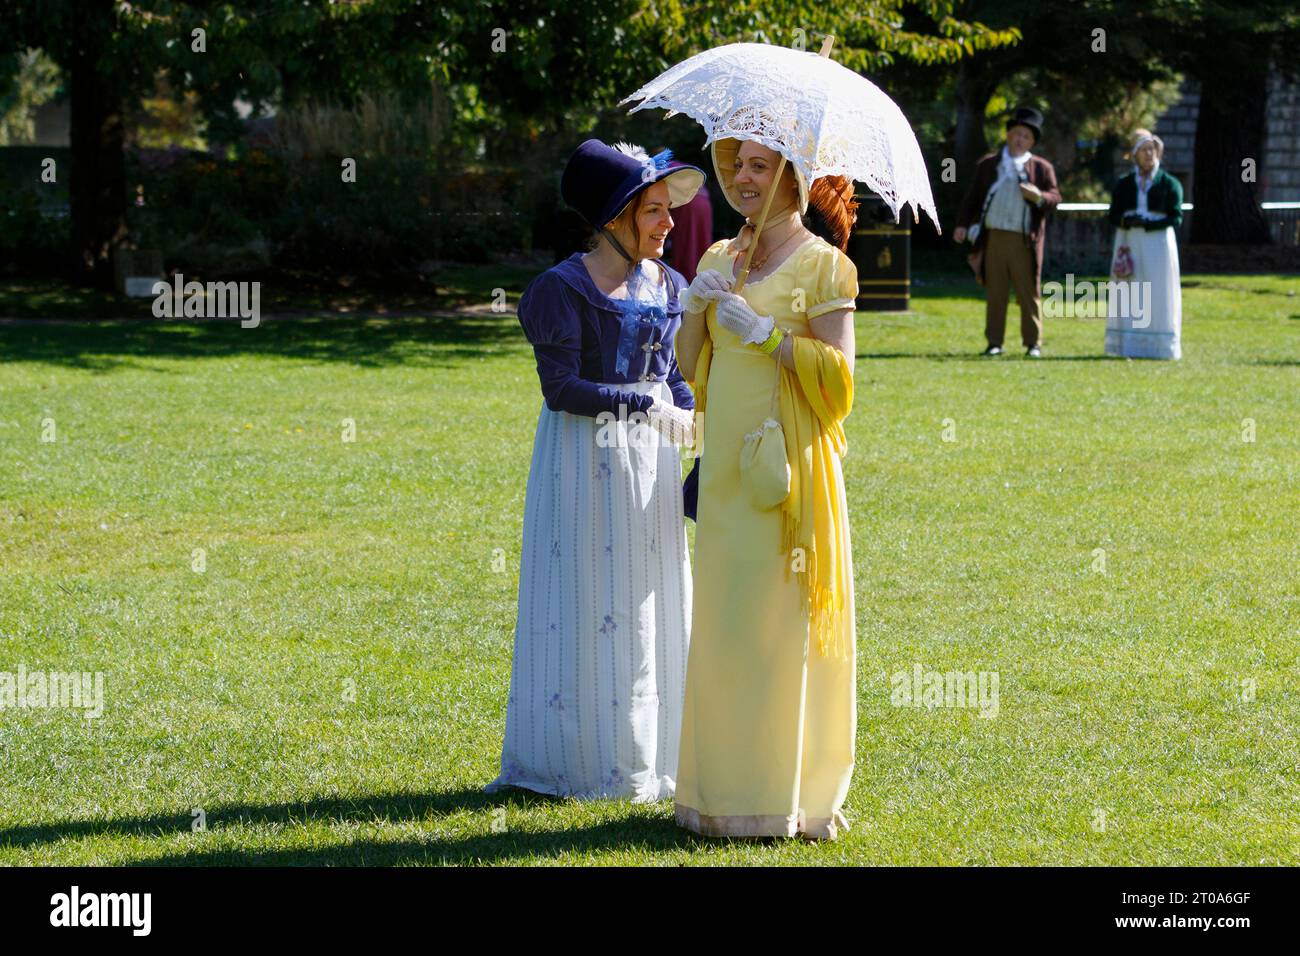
(772, 342)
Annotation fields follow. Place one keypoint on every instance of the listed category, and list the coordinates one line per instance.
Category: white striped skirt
(599, 669)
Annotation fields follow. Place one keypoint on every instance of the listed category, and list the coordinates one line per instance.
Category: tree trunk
(1229, 129)
(975, 85)
(97, 180)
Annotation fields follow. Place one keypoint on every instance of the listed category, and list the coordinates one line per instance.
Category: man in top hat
(1003, 214)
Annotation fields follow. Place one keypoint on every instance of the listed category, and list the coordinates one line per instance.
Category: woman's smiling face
(654, 220)
(755, 170)
(653, 223)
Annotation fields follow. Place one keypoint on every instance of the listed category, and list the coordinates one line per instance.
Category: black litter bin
(882, 251)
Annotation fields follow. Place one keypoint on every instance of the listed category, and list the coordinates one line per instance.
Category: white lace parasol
(821, 116)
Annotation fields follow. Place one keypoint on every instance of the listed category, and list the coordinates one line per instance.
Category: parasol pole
(767, 203)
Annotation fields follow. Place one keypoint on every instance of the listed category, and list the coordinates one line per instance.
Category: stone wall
(1177, 128)
(1279, 167)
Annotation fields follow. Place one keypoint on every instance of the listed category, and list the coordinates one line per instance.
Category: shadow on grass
(510, 846)
(364, 341)
(450, 286)
(985, 359)
(1188, 283)
(391, 808)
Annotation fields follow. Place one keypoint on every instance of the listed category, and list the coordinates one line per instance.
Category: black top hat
(1028, 116)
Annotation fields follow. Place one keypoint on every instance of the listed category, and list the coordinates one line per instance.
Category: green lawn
(331, 688)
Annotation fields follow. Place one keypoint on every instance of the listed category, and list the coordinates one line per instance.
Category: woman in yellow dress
(770, 711)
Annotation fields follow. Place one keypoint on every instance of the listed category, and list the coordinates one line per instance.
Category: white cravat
(1010, 166)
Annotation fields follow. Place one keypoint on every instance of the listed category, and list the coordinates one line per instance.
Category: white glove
(675, 424)
(694, 298)
(735, 315)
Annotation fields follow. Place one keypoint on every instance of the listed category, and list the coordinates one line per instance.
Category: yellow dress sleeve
(715, 258)
(835, 285)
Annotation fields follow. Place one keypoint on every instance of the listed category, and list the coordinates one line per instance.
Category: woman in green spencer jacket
(1144, 318)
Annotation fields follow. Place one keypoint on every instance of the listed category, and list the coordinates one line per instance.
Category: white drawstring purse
(764, 468)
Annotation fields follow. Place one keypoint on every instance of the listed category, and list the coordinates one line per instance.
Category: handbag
(764, 468)
(1122, 267)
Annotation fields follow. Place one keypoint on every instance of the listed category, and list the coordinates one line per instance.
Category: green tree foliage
(513, 72)
(1229, 49)
(28, 79)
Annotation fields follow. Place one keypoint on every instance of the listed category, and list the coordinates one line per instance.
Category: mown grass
(331, 688)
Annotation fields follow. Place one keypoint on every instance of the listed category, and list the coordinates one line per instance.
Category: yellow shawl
(815, 400)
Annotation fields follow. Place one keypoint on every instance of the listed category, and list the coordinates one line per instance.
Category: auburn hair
(628, 218)
(832, 210)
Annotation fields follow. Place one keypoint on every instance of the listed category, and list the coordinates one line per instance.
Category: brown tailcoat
(1041, 174)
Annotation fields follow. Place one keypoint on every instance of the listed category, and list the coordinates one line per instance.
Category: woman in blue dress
(598, 674)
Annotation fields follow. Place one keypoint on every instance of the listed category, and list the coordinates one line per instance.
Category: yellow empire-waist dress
(768, 724)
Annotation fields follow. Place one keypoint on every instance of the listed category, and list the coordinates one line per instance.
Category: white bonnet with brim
(1145, 137)
(724, 153)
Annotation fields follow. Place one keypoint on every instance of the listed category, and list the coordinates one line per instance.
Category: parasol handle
(767, 203)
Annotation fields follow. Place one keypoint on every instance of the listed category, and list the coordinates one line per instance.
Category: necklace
(757, 264)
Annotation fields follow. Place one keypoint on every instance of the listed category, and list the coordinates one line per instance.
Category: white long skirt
(1155, 329)
(599, 673)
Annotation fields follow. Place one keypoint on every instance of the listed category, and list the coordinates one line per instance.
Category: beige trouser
(1009, 263)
